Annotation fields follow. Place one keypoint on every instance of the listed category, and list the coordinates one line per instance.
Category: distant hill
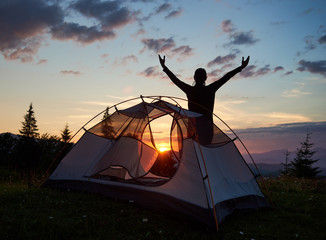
(270, 163)
(278, 157)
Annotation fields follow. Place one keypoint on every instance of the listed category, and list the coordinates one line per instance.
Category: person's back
(201, 98)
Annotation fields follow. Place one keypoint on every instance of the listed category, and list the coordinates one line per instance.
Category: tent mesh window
(139, 161)
(134, 156)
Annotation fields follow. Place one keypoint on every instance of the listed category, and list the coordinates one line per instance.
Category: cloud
(183, 50)
(166, 45)
(97, 103)
(322, 39)
(289, 127)
(151, 72)
(263, 71)
(238, 37)
(227, 26)
(138, 33)
(214, 73)
(79, 33)
(296, 92)
(159, 45)
(221, 60)
(70, 72)
(22, 25)
(286, 117)
(250, 71)
(109, 13)
(26, 24)
(278, 68)
(243, 38)
(316, 67)
(288, 73)
(163, 8)
(173, 14)
(282, 136)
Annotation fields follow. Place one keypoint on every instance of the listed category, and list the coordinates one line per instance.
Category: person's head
(200, 76)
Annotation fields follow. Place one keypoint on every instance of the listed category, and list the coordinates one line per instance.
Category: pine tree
(29, 128)
(107, 128)
(286, 165)
(301, 166)
(106, 114)
(66, 134)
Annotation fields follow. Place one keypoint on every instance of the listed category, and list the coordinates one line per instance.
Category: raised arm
(219, 83)
(183, 86)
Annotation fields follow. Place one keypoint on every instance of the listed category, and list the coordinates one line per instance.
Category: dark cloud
(221, 60)
(238, 37)
(173, 14)
(263, 71)
(79, 33)
(151, 72)
(243, 38)
(288, 73)
(110, 14)
(317, 67)
(250, 71)
(144, 1)
(163, 8)
(278, 68)
(183, 50)
(166, 46)
(159, 45)
(214, 73)
(96, 8)
(322, 39)
(22, 25)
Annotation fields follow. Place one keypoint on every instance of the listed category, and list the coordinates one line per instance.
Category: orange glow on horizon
(163, 147)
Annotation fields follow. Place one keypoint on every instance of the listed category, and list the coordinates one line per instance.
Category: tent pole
(209, 185)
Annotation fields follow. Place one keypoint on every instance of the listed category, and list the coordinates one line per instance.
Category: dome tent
(118, 157)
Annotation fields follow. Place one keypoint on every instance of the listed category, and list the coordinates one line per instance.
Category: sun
(163, 149)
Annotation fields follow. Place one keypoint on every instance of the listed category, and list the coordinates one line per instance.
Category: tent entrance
(145, 152)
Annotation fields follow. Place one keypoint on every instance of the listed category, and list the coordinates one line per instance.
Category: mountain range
(270, 163)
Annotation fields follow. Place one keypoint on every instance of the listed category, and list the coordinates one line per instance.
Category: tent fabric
(117, 157)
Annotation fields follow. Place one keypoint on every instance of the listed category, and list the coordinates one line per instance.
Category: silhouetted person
(201, 97)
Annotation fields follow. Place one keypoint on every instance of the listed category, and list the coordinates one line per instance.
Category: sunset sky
(72, 59)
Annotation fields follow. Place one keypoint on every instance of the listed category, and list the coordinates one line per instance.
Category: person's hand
(162, 61)
(245, 62)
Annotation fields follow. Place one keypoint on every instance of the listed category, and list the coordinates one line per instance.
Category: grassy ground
(299, 210)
